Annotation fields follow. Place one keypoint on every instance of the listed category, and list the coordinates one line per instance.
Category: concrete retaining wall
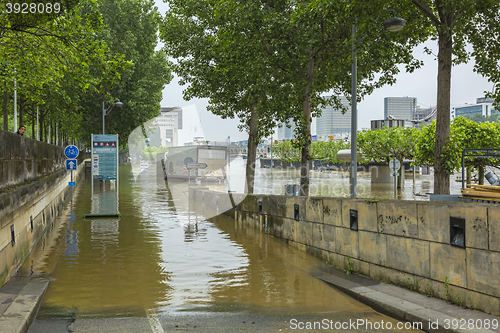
(35, 186)
(23, 159)
(406, 243)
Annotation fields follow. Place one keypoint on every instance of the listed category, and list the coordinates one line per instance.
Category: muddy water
(160, 256)
(335, 183)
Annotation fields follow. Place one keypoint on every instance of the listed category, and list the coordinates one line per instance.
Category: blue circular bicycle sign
(71, 152)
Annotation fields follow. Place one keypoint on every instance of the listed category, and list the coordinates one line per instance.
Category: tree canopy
(67, 64)
(454, 24)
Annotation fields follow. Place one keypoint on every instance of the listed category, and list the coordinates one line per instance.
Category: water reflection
(161, 256)
(331, 183)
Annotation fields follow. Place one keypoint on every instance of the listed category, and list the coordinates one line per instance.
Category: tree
(220, 56)
(326, 151)
(131, 31)
(286, 151)
(284, 54)
(45, 54)
(464, 134)
(384, 144)
(454, 24)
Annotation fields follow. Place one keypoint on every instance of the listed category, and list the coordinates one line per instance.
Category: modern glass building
(333, 123)
(400, 108)
(483, 105)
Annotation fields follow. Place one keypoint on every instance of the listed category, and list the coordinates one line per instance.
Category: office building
(483, 106)
(166, 127)
(173, 109)
(389, 123)
(286, 133)
(333, 123)
(400, 108)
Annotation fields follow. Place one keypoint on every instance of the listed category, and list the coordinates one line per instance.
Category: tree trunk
(469, 175)
(5, 105)
(33, 126)
(480, 175)
(441, 178)
(252, 151)
(306, 132)
(400, 175)
(21, 113)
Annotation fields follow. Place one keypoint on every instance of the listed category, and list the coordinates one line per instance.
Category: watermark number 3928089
(31, 8)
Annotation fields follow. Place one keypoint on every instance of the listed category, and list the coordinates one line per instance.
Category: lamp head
(119, 104)
(394, 23)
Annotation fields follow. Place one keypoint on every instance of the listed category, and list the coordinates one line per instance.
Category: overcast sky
(465, 88)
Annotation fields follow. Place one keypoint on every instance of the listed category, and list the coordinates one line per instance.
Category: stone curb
(395, 307)
(22, 311)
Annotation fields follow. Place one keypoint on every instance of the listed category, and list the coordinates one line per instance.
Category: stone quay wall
(33, 189)
(406, 243)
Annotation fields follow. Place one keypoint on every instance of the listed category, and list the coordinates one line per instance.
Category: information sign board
(104, 156)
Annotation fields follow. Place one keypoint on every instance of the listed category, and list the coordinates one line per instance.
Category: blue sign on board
(71, 164)
(71, 184)
(71, 151)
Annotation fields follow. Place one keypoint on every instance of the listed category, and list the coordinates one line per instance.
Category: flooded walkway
(162, 268)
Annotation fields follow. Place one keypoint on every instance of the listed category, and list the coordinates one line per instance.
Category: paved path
(21, 296)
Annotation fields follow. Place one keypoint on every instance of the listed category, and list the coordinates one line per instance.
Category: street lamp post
(392, 24)
(106, 112)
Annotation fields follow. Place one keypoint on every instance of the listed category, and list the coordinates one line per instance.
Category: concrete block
(318, 235)
(476, 224)
(483, 270)
(434, 222)
(275, 225)
(224, 203)
(329, 238)
(347, 242)
(427, 316)
(274, 205)
(478, 301)
(397, 218)
(448, 261)
(388, 304)
(367, 214)
(250, 204)
(305, 233)
(336, 260)
(332, 211)
(372, 247)
(388, 275)
(360, 267)
(408, 255)
(314, 210)
(428, 287)
(290, 229)
(290, 207)
(494, 228)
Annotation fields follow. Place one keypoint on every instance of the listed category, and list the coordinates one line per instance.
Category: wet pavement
(161, 268)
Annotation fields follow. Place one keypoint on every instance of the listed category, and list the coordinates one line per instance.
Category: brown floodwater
(160, 256)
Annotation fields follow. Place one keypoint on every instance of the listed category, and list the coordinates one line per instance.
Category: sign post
(71, 152)
(395, 165)
(190, 166)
